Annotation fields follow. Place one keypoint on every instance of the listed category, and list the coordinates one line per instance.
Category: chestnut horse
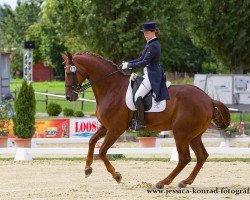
(188, 113)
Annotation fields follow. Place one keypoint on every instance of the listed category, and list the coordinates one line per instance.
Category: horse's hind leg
(92, 142)
(201, 155)
(184, 159)
(109, 140)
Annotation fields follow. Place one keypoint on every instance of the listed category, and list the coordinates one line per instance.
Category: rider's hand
(124, 65)
(133, 77)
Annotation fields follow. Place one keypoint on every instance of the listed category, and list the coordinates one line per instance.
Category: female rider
(153, 73)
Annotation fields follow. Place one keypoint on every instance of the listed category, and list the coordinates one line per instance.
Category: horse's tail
(221, 115)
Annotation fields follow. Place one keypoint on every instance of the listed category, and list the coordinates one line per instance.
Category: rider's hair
(157, 31)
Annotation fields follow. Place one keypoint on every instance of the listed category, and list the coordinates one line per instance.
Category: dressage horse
(188, 113)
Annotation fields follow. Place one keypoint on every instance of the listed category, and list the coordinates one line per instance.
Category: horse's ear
(64, 56)
(69, 55)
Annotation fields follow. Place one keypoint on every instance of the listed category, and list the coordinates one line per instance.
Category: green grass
(56, 87)
(235, 117)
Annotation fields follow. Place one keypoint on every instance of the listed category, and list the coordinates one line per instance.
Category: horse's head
(74, 77)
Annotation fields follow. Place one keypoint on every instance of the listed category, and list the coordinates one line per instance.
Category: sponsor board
(54, 128)
(83, 127)
(63, 128)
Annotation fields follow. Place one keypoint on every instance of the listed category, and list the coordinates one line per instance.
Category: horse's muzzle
(68, 98)
(73, 97)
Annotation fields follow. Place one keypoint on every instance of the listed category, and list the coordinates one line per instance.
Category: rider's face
(148, 35)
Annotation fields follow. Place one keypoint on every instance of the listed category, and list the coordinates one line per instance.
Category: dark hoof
(182, 185)
(88, 171)
(159, 186)
(118, 177)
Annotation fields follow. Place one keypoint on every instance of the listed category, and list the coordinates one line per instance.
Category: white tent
(229, 89)
(4, 73)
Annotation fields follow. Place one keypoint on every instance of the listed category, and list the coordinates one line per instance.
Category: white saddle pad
(156, 106)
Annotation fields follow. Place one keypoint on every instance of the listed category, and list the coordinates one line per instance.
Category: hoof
(118, 177)
(159, 186)
(88, 171)
(182, 185)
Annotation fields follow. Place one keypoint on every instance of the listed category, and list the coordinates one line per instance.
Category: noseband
(74, 86)
(77, 88)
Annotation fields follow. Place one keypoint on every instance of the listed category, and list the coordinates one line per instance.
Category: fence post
(46, 99)
(82, 106)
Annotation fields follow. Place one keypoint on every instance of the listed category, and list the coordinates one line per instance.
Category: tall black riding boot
(139, 125)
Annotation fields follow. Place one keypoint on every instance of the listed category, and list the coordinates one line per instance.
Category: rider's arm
(149, 55)
(136, 60)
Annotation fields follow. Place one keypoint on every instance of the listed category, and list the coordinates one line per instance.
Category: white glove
(132, 77)
(124, 65)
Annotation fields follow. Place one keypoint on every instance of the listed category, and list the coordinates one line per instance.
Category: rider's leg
(144, 88)
(142, 91)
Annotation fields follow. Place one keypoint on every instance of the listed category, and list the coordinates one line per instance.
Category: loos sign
(83, 127)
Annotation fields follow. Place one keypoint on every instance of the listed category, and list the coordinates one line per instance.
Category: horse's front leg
(109, 140)
(92, 142)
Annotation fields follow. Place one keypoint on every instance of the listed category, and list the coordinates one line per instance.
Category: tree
(181, 55)
(111, 28)
(222, 28)
(49, 44)
(25, 107)
(14, 25)
(102, 27)
(178, 51)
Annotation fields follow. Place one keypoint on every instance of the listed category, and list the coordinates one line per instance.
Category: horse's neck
(112, 90)
(105, 86)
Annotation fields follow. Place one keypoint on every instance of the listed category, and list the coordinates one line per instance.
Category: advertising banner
(54, 128)
(63, 128)
(83, 127)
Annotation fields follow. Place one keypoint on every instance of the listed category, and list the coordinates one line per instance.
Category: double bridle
(77, 88)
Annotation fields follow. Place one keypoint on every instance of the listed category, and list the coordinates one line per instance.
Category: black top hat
(148, 26)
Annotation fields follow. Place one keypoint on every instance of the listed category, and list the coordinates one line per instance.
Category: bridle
(74, 85)
(77, 88)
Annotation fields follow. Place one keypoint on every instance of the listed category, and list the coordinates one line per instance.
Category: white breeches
(144, 88)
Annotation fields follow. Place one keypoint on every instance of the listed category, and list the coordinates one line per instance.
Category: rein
(81, 88)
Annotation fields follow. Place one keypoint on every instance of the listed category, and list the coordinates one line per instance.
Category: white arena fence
(159, 141)
(63, 96)
(126, 151)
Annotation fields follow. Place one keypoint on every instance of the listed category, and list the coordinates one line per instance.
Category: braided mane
(98, 56)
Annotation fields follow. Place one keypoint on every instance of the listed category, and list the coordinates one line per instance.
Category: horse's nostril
(67, 98)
